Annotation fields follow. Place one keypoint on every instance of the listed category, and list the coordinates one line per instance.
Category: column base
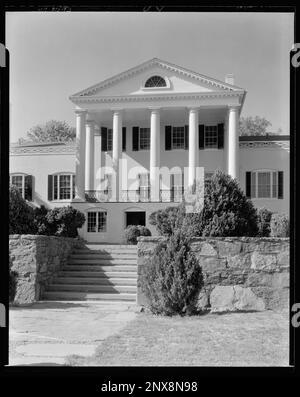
(78, 200)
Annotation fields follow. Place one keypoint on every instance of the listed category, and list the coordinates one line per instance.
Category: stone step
(102, 261)
(106, 247)
(93, 288)
(103, 255)
(107, 251)
(104, 274)
(95, 280)
(86, 296)
(101, 268)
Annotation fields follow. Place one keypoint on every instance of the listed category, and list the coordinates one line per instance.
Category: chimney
(229, 79)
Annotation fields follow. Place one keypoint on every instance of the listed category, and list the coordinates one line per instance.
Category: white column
(80, 155)
(233, 142)
(193, 145)
(154, 153)
(89, 155)
(97, 159)
(117, 150)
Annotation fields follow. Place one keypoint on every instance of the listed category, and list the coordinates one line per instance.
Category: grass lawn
(234, 339)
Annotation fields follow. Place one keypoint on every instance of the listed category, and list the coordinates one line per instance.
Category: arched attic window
(155, 81)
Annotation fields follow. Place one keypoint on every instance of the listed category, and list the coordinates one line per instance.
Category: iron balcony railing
(174, 195)
(98, 196)
(141, 195)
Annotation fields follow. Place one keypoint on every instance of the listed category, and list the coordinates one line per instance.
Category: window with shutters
(144, 141)
(23, 183)
(63, 186)
(211, 137)
(96, 221)
(265, 184)
(178, 138)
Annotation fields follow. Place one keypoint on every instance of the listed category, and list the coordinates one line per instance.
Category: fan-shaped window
(155, 81)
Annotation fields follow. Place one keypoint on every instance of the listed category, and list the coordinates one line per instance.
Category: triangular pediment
(178, 81)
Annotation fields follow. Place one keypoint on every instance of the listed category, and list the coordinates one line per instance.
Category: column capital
(80, 112)
(154, 108)
(117, 110)
(193, 109)
(233, 108)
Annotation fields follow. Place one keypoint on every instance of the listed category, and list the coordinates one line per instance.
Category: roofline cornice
(136, 98)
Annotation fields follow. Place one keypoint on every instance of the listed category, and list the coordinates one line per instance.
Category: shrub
(132, 232)
(20, 214)
(12, 282)
(172, 277)
(168, 219)
(263, 222)
(226, 211)
(280, 225)
(63, 221)
(40, 222)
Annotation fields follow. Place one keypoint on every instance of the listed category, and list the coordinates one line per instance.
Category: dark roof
(264, 138)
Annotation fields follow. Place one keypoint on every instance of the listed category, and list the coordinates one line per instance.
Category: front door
(136, 218)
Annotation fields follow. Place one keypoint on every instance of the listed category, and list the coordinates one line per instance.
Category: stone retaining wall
(37, 259)
(240, 273)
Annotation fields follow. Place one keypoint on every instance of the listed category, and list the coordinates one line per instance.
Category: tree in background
(254, 125)
(51, 131)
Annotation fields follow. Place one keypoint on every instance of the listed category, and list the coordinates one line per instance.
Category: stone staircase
(97, 272)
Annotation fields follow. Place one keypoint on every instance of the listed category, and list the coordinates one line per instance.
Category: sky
(56, 54)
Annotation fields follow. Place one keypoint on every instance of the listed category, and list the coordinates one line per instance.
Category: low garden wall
(36, 259)
(240, 273)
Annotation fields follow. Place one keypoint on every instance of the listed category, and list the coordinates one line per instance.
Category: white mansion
(141, 138)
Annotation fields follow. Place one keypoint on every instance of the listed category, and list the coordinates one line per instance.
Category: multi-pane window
(18, 181)
(96, 221)
(264, 184)
(176, 187)
(107, 184)
(144, 138)
(24, 185)
(109, 139)
(211, 136)
(63, 187)
(178, 138)
(144, 186)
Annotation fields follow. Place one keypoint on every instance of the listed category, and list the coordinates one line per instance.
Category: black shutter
(168, 137)
(135, 138)
(124, 139)
(280, 184)
(186, 136)
(248, 184)
(28, 187)
(201, 136)
(220, 136)
(103, 139)
(50, 187)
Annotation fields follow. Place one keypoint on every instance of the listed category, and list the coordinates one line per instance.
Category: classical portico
(181, 100)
